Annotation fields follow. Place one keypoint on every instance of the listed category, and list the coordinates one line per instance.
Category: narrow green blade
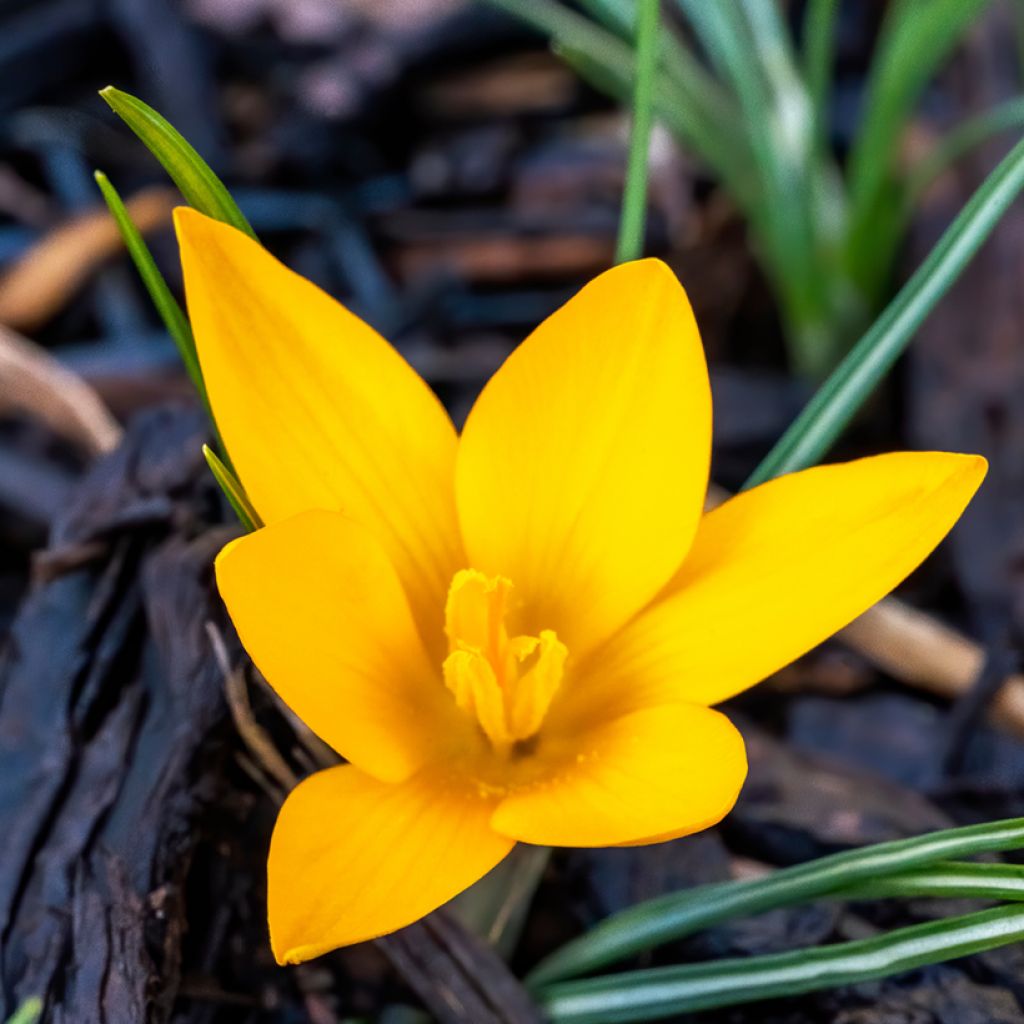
(946, 881)
(634, 199)
(166, 305)
(836, 402)
(668, 918)
(233, 491)
(819, 42)
(915, 39)
(28, 1013)
(667, 991)
(198, 184)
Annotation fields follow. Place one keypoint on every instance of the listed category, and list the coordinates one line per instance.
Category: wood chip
(460, 979)
(32, 381)
(41, 282)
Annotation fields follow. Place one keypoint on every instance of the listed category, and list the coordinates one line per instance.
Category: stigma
(506, 683)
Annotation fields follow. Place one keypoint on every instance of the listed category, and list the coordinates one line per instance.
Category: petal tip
(964, 470)
(191, 226)
(186, 219)
(289, 953)
(979, 466)
(284, 957)
(650, 267)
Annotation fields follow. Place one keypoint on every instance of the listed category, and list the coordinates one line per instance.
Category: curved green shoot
(166, 305)
(968, 135)
(233, 491)
(189, 171)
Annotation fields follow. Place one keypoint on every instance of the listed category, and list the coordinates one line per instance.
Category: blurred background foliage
(753, 97)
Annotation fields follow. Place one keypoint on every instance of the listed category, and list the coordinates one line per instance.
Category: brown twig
(43, 280)
(318, 752)
(36, 383)
(255, 737)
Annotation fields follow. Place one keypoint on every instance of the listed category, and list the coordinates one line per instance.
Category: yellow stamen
(506, 683)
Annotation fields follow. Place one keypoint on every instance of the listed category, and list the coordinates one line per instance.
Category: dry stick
(918, 650)
(40, 283)
(255, 737)
(319, 754)
(43, 280)
(32, 381)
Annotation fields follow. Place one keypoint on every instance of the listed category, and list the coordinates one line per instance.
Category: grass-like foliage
(751, 98)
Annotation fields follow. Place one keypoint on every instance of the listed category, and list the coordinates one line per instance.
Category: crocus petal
(352, 858)
(655, 773)
(583, 464)
(775, 571)
(320, 609)
(317, 410)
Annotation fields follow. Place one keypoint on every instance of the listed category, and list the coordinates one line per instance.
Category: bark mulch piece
(131, 882)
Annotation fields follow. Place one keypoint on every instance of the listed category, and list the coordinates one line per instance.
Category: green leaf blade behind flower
(836, 402)
(166, 305)
(817, 58)
(947, 880)
(915, 39)
(193, 176)
(677, 915)
(667, 991)
(233, 491)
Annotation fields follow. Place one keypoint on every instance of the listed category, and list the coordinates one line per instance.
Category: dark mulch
(453, 183)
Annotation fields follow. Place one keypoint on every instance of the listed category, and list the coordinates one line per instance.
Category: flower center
(506, 683)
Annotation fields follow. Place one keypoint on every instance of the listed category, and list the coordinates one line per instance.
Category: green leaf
(28, 1013)
(170, 312)
(697, 88)
(836, 402)
(677, 915)
(798, 205)
(233, 491)
(953, 880)
(668, 991)
(914, 40)
(819, 40)
(198, 184)
(686, 99)
(166, 305)
(634, 200)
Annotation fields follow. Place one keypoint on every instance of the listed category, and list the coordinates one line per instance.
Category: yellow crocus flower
(516, 634)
